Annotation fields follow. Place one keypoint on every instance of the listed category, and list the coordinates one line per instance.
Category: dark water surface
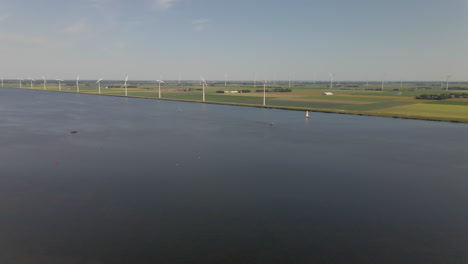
(147, 181)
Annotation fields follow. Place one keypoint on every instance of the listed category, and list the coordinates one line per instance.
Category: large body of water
(148, 181)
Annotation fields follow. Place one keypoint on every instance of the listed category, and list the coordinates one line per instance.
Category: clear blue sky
(356, 40)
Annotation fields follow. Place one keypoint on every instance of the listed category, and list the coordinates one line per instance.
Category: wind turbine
(99, 85)
(204, 84)
(446, 87)
(225, 79)
(60, 86)
(331, 80)
(32, 80)
(43, 78)
(21, 86)
(255, 80)
(2, 81)
(126, 79)
(264, 92)
(78, 84)
(159, 83)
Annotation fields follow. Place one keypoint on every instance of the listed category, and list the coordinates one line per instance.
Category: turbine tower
(255, 80)
(78, 84)
(204, 84)
(331, 80)
(446, 87)
(159, 84)
(383, 80)
(60, 86)
(21, 86)
(32, 80)
(125, 85)
(264, 92)
(99, 85)
(43, 78)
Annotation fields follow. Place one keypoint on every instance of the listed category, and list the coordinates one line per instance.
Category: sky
(356, 40)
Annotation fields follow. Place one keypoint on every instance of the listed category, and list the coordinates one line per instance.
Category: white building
(327, 93)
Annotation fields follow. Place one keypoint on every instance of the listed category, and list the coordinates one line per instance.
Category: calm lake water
(147, 181)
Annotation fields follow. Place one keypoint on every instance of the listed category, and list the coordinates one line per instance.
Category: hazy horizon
(147, 39)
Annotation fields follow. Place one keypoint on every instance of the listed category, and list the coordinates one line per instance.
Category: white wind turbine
(43, 78)
(99, 85)
(32, 80)
(78, 84)
(446, 87)
(255, 80)
(331, 80)
(21, 86)
(204, 84)
(159, 84)
(383, 81)
(60, 85)
(125, 85)
(264, 92)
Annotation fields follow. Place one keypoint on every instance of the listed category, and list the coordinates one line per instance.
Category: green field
(394, 101)
(431, 110)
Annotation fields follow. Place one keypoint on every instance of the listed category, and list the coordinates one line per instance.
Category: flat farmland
(445, 111)
(395, 100)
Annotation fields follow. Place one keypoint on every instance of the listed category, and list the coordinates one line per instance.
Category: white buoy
(307, 114)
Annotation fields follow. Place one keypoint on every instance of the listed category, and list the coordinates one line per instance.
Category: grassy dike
(293, 108)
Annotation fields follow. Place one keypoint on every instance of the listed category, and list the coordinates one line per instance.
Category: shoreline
(291, 108)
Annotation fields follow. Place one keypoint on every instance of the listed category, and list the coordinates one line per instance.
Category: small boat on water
(307, 115)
